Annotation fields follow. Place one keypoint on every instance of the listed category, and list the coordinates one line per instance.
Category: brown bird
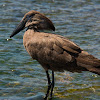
(53, 52)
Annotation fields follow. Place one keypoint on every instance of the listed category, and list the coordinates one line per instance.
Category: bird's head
(34, 20)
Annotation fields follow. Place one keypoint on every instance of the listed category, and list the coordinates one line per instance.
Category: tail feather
(89, 62)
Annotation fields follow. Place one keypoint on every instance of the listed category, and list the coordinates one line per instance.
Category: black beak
(20, 27)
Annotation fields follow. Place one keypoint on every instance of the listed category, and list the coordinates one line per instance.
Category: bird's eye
(30, 16)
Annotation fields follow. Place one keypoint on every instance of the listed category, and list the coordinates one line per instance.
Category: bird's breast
(35, 43)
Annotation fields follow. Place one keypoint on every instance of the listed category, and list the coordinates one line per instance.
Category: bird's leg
(52, 85)
(49, 85)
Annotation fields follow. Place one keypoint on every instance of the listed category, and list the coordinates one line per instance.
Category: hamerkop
(53, 52)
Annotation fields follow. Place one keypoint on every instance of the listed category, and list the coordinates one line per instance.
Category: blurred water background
(21, 77)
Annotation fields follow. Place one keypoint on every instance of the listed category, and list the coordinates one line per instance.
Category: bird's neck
(28, 35)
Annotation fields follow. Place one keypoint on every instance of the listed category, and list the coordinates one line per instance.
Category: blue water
(21, 77)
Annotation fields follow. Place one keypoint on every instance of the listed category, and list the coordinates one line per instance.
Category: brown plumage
(52, 51)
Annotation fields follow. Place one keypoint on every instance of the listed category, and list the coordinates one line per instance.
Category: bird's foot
(45, 98)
